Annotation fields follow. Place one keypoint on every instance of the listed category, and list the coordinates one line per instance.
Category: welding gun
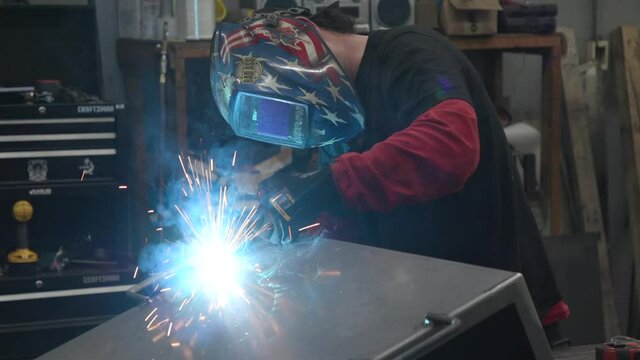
(296, 199)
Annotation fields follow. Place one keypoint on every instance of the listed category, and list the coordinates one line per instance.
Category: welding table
(371, 306)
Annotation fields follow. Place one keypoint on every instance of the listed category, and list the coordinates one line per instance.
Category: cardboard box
(137, 18)
(470, 17)
(129, 19)
(427, 13)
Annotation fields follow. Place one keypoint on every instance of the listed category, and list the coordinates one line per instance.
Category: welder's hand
(295, 200)
(279, 229)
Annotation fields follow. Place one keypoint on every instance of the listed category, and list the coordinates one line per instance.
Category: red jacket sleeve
(431, 158)
(558, 312)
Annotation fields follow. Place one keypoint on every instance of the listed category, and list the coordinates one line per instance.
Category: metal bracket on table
(437, 329)
(134, 291)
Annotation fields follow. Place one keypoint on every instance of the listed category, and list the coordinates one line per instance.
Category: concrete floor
(576, 353)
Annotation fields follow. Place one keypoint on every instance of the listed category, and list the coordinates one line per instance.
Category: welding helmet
(275, 80)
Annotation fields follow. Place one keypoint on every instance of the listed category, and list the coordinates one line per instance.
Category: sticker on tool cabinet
(95, 109)
(100, 279)
(40, 192)
(37, 170)
(87, 167)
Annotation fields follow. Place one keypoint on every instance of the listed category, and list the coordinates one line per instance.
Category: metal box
(339, 300)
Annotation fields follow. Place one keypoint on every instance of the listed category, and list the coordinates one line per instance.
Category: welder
(412, 156)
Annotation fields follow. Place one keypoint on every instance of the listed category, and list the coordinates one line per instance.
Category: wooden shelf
(511, 42)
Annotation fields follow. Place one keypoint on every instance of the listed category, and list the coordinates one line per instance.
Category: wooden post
(585, 175)
(626, 56)
(181, 130)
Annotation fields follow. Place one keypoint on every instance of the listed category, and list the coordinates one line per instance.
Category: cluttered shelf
(511, 42)
(190, 49)
(134, 56)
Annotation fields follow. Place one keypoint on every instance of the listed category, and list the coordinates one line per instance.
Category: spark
(328, 273)
(206, 267)
(151, 313)
(82, 176)
(123, 187)
(184, 302)
(158, 337)
(150, 211)
(186, 175)
(308, 227)
(158, 324)
(175, 344)
(135, 273)
(151, 322)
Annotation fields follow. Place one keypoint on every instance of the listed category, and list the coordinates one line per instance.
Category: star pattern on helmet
(293, 66)
(348, 84)
(331, 141)
(226, 82)
(250, 55)
(333, 117)
(356, 115)
(335, 92)
(311, 97)
(271, 82)
(289, 38)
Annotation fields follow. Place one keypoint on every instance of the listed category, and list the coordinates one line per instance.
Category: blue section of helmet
(270, 120)
(281, 84)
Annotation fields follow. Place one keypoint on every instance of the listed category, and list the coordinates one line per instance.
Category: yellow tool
(22, 261)
(221, 11)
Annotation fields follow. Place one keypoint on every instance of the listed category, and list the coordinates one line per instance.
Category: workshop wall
(107, 16)
(590, 19)
(524, 94)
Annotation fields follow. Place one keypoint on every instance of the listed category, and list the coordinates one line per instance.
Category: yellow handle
(221, 11)
(22, 211)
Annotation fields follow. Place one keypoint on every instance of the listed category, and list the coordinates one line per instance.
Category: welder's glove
(295, 200)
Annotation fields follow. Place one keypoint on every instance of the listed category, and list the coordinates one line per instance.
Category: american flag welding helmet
(275, 80)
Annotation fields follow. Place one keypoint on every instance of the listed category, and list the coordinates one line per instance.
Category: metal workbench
(343, 301)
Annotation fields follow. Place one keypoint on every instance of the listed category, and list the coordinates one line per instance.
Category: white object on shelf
(195, 19)
(525, 139)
